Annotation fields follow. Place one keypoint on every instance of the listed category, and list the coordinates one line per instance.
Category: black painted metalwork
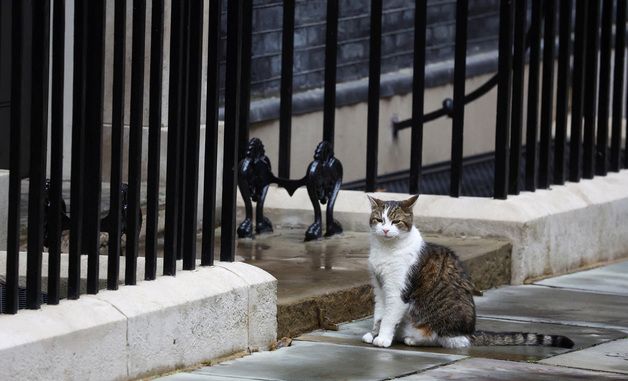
(154, 138)
(135, 138)
(547, 93)
(78, 148)
(331, 53)
(211, 135)
(504, 99)
(193, 125)
(590, 88)
(117, 142)
(457, 133)
(232, 112)
(562, 91)
(418, 94)
(323, 179)
(601, 157)
(618, 87)
(577, 93)
(285, 105)
(245, 77)
(518, 83)
(533, 97)
(372, 122)
(53, 234)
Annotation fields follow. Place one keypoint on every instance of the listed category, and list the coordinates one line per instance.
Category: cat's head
(391, 219)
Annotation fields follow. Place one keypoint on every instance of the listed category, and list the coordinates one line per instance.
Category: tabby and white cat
(423, 296)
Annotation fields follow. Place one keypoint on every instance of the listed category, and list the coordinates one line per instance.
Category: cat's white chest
(390, 263)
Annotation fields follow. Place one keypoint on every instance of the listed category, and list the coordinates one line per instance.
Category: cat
(423, 296)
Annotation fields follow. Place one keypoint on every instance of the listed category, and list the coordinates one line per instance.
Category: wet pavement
(590, 307)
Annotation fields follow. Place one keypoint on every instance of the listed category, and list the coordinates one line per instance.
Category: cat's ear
(409, 203)
(375, 203)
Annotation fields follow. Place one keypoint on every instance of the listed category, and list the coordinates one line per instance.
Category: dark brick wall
(353, 37)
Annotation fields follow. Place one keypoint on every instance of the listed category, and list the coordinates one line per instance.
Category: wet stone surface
(608, 279)
(584, 337)
(609, 357)
(545, 304)
(318, 361)
(495, 370)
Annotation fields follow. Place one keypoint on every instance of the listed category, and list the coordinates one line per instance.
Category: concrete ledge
(551, 231)
(141, 330)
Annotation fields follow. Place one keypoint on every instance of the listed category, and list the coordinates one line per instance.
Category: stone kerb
(136, 331)
(552, 231)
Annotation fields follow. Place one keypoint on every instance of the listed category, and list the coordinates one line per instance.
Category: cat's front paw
(381, 341)
(367, 338)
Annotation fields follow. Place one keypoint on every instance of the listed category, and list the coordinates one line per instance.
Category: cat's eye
(379, 220)
(395, 222)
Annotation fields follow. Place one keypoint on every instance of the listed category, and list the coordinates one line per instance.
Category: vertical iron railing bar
(56, 152)
(78, 149)
(93, 139)
(577, 93)
(532, 119)
(38, 149)
(601, 157)
(154, 137)
(562, 91)
(504, 99)
(418, 95)
(172, 169)
(117, 142)
(547, 93)
(211, 134)
(618, 86)
(232, 112)
(245, 78)
(518, 82)
(590, 89)
(183, 122)
(15, 159)
(331, 52)
(372, 124)
(193, 133)
(460, 58)
(285, 105)
(135, 140)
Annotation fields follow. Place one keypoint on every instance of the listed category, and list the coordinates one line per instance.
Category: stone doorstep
(487, 261)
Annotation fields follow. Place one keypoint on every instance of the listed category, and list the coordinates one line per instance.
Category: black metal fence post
(211, 135)
(375, 61)
(418, 95)
(590, 88)
(504, 97)
(618, 86)
(518, 82)
(460, 59)
(56, 152)
(331, 52)
(232, 105)
(601, 158)
(562, 91)
(117, 142)
(285, 105)
(154, 138)
(547, 93)
(533, 96)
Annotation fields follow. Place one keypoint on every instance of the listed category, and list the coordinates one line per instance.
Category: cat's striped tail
(519, 338)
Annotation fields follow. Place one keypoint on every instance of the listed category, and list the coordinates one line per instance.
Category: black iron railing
(581, 91)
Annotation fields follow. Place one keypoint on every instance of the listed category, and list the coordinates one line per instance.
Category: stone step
(326, 282)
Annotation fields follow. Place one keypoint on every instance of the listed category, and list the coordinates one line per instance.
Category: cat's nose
(385, 231)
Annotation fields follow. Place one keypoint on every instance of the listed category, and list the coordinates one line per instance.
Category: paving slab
(564, 306)
(612, 279)
(319, 361)
(583, 337)
(496, 370)
(609, 357)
